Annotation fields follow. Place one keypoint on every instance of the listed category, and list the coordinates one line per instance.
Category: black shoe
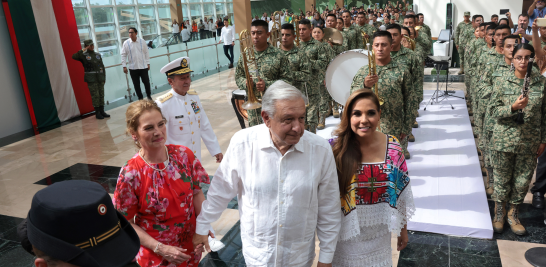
(230, 66)
(98, 115)
(538, 200)
(150, 98)
(104, 113)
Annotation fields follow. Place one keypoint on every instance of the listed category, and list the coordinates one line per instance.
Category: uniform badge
(100, 70)
(181, 128)
(88, 57)
(184, 63)
(179, 117)
(98, 56)
(195, 107)
(102, 209)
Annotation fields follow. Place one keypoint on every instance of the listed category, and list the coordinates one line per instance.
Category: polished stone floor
(95, 150)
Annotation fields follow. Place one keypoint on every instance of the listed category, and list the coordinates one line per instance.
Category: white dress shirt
(187, 123)
(212, 26)
(282, 199)
(134, 55)
(186, 34)
(176, 28)
(206, 24)
(227, 35)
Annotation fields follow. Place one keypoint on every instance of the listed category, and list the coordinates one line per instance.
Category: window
(165, 22)
(195, 11)
(85, 33)
(100, 2)
(81, 16)
(149, 2)
(125, 2)
(78, 3)
(126, 14)
(220, 10)
(106, 39)
(208, 10)
(102, 15)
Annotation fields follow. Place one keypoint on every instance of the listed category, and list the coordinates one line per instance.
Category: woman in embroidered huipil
(158, 191)
(376, 197)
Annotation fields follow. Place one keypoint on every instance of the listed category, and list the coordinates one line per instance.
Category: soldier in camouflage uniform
(422, 39)
(325, 98)
(332, 22)
(404, 56)
(272, 66)
(365, 27)
(95, 76)
(478, 67)
(395, 87)
(464, 41)
(495, 69)
(479, 46)
(514, 146)
(421, 22)
(353, 34)
(457, 36)
(299, 65)
(314, 51)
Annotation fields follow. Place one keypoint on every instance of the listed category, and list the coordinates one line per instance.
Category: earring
(512, 67)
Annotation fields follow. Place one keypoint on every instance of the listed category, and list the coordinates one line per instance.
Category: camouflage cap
(87, 42)
(467, 13)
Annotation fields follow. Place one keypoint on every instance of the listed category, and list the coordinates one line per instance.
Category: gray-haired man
(285, 179)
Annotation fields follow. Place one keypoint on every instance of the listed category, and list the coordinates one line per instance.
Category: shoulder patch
(165, 97)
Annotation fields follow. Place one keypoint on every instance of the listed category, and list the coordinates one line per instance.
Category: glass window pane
(165, 25)
(140, 2)
(146, 12)
(125, 2)
(108, 48)
(195, 1)
(81, 16)
(208, 0)
(100, 2)
(164, 11)
(149, 37)
(185, 11)
(208, 10)
(148, 27)
(230, 7)
(102, 14)
(219, 1)
(195, 10)
(165, 1)
(105, 32)
(124, 28)
(126, 14)
(220, 9)
(84, 32)
(76, 3)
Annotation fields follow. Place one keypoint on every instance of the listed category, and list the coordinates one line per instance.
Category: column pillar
(176, 10)
(242, 14)
(308, 4)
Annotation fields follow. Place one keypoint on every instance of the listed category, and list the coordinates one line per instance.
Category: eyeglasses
(520, 59)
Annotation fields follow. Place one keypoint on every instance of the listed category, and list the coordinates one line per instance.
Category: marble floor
(95, 150)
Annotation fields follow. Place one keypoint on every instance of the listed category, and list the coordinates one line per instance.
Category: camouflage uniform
(425, 42)
(272, 66)
(494, 68)
(377, 24)
(369, 30)
(514, 146)
(395, 86)
(464, 41)
(94, 76)
(426, 29)
(406, 56)
(488, 55)
(354, 37)
(315, 52)
(458, 34)
(325, 97)
(299, 68)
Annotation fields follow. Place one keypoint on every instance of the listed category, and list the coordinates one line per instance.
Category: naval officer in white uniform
(187, 122)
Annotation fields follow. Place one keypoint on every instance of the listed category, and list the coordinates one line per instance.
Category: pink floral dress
(162, 201)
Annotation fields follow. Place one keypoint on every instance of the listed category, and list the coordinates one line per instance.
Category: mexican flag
(44, 36)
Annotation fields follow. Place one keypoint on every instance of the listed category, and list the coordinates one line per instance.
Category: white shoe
(215, 245)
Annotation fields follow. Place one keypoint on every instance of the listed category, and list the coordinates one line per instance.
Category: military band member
(271, 63)
(421, 37)
(474, 51)
(353, 35)
(457, 36)
(467, 38)
(515, 146)
(363, 25)
(95, 76)
(394, 86)
(325, 98)
(339, 27)
(494, 72)
(404, 56)
(421, 22)
(187, 122)
(331, 22)
(314, 51)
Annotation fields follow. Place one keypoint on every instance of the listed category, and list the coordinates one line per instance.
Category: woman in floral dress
(158, 191)
(376, 197)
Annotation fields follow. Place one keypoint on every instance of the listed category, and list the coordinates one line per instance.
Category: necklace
(160, 170)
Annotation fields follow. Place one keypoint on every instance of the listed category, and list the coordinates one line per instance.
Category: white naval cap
(177, 67)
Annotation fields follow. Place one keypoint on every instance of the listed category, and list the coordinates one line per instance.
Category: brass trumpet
(296, 22)
(372, 70)
(247, 52)
(410, 41)
(275, 36)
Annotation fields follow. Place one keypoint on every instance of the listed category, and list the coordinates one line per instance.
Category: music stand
(438, 63)
(445, 36)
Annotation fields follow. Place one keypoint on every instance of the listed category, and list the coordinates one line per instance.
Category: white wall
(14, 116)
(435, 10)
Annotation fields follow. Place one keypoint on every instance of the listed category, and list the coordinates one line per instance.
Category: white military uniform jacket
(187, 122)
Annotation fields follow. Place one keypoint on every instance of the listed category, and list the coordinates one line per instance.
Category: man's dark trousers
(540, 183)
(229, 48)
(136, 75)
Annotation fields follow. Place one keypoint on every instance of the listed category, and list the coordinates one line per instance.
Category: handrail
(168, 54)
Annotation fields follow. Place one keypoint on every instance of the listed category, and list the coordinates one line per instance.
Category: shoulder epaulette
(165, 97)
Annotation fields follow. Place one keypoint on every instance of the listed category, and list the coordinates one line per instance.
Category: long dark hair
(526, 47)
(346, 149)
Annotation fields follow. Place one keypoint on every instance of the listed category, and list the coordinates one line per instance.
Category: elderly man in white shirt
(227, 36)
(285, 180)
(135, 57)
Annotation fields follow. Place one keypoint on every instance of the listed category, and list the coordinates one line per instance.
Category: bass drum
(341, 71)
